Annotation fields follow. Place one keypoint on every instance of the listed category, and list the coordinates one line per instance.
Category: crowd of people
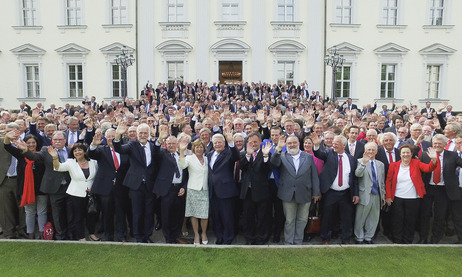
(254, 159)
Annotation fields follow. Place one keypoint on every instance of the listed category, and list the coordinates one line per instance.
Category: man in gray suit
(371, 181)
(298, 183)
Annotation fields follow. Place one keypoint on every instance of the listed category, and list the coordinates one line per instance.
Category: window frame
(285, 6)
(386, 13)
(339, 5)
(33, 10)
(342, 81)
(76, 80)
(433, 9)
(176, 4)
(77, 5)
(429, 80)
(177, 77)
(285, 79)
(387, 81)
(230, 16)
(122, 5)
(34, 81)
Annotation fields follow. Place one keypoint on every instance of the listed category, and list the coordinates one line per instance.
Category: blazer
(51, 181)
(43, 140)
(167, 165)
(79, 184)
(365, 183)
(107, 176)
(5, 161)
(359, 149)
(416, 169)
(221, 175)
(301, 185)
(198, 173)
(255, 174)
(138, 170)
(330, 170)
(425, 146)
(451, 181)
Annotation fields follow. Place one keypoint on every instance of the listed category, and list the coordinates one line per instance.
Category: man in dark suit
(350, 106)
(417, 141)
(112, 168)
(222, 186)
(339, 186)
(442, 187)
(170, 186)
(397, 123)
(55, 183)
(255, 190)
(140, 178)
(299, 183)
(72, 133)
(428, 110)
(354, 147)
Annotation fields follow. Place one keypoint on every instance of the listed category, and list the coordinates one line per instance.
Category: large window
(387, 81)
(29, 12)
(436, 12)
(343, 82)
(175, 11)
(285, 72)
(175, 72)
(32, 79)
(230, 10)
(73, 12)
(343, 11)
(75, 80)
(390, 12)
(119, 11)
(433, 81)
(286, 10)
(117, 81)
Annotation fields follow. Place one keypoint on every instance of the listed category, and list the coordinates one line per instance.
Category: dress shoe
(181, 241)
(219, 241)
(94, 238)
(23, 235)
(82, 240)
(158, 226)
(422, 241)
(368, 242)
(325, 242)
(276, 239)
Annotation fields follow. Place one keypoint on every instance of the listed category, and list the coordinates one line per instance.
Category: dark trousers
(79, 211)
(223, 217)
(172, 214)
(256, 219)
(277, 219)
(62, 213)
(405, 213)
(11, 215)
(435, 201)
(142, 208)
(456, 208)
(332, 200)
(114, 204)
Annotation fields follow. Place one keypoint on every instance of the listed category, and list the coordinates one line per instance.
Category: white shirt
(296, 159)
(147, 153)
(346, 168)
(213, 158)
(404, 187)
(177, 180)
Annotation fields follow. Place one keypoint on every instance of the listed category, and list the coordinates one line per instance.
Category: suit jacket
(300, 185)
(451, 181)
(167, 166)
(416, 167)
(425, 145)
(365, 183)
(107, 178)
(138, 170)
(51, 181)
(359, 149)
(330, 170)
(79, 184)
(43, 140)
(5, 161)
(255, 174)
(221, 180)
(391, 129)
(424, 110)
(382, 156)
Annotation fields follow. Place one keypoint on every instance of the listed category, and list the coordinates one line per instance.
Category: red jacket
(415, 168)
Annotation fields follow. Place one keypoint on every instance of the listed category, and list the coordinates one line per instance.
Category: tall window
(175, 72)
(117, 81)
(343, 12)
(387, 81)
(29, 12)
(390, 12)
(32, 77)
(119, 12)
(343, 82)
(286, 10)
(285, 72)
(230, 10)
(433, 81)
(436, 12)
(75, 80)
(73, 12)
(175, 11)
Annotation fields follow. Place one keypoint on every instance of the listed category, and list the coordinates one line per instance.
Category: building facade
(59, 51)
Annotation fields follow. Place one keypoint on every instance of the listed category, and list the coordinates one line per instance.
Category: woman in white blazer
(197, 198)
(82, 171)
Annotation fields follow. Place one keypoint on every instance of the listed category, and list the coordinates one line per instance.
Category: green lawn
(61, 259)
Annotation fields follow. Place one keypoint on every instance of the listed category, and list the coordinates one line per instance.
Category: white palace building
(59, 51)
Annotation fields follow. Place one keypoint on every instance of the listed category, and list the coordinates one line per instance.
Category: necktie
(144, 153)
(254, 154)
(12, 169)
(375, 184)
(116, 161)
(390, 157)
(447, 145)
(72, 139)
(177, 170)
(420, 150)
(352, 149)
(340, 171)
(61, 156)
(437, 172)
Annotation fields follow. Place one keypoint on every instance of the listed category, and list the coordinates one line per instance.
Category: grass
(69, 259)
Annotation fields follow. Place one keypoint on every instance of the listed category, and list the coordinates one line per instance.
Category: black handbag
(92, 206)
(314, 220)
